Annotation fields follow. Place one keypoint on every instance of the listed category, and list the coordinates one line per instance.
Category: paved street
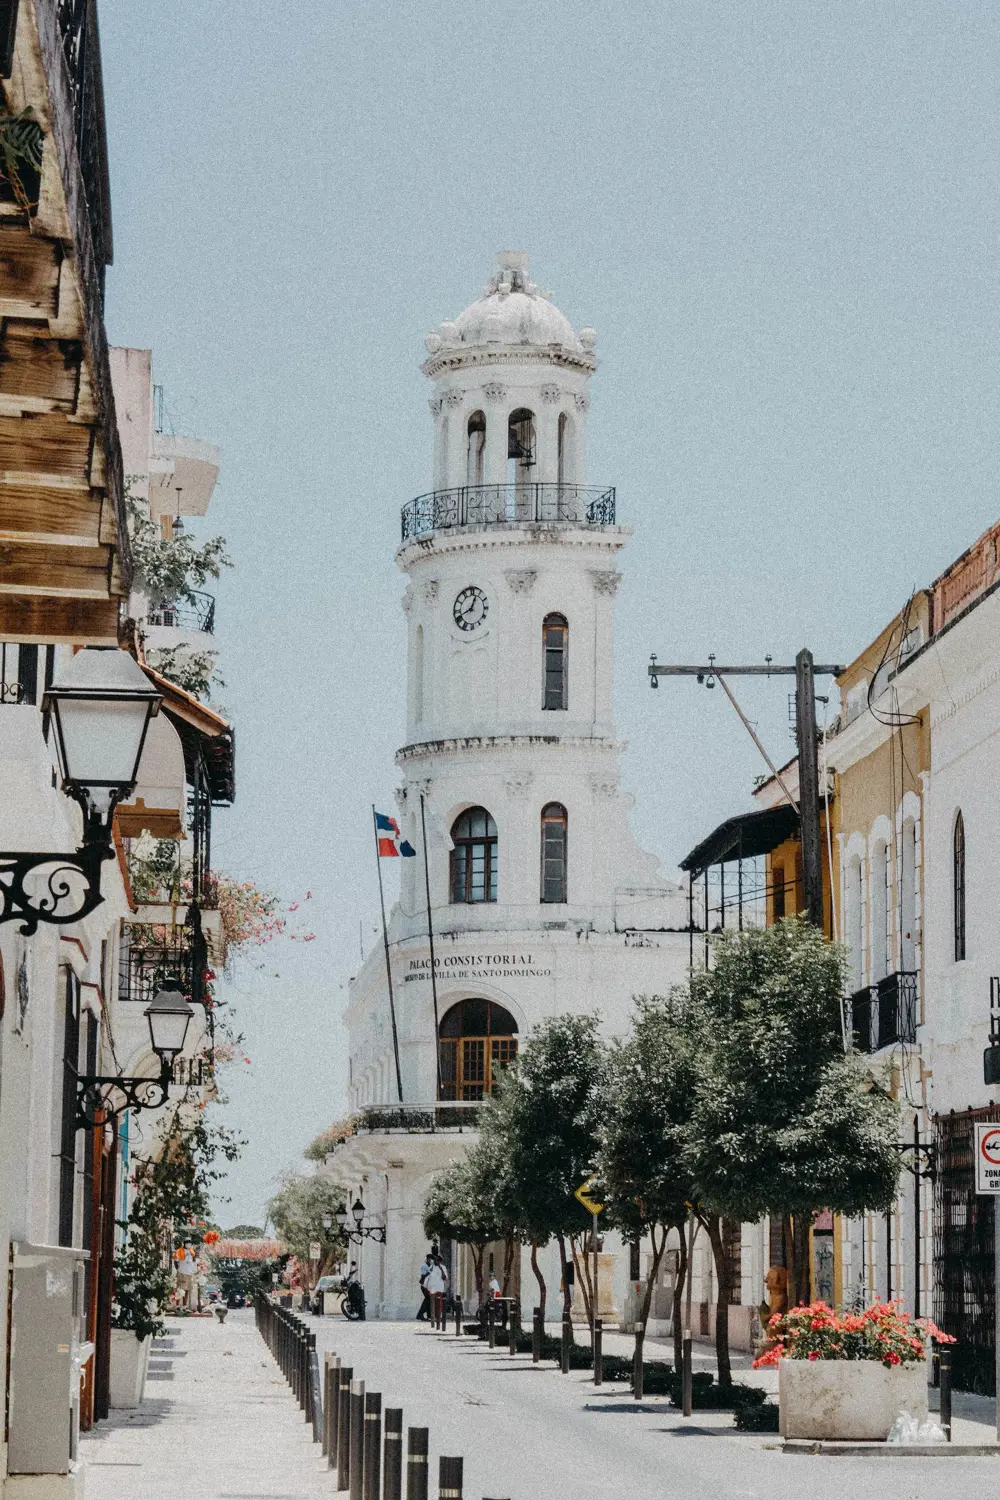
(221, 1424)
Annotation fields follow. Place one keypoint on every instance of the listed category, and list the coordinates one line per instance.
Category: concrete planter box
(847, 1400)
(129, 1361)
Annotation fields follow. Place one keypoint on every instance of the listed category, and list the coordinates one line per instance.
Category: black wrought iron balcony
(18, 673)
(196, 612)
(885, 1013)
(418, 1119)
(509, 505)
(143, 968)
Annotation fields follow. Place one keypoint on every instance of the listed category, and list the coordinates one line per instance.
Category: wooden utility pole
(805, 735)
(805, 672)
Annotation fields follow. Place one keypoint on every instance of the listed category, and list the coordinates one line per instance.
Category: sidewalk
(219, 1423)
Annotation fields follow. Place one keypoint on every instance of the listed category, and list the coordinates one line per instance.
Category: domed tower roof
(513, 313)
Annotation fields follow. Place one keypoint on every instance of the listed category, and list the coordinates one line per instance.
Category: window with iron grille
(732, 1241)
(554, 874)
(958, 861)
(474, 858)
(555, 661)
(477, 1041)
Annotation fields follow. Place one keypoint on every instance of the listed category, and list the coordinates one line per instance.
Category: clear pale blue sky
(780, 217)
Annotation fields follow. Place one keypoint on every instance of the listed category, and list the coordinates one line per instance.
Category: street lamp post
(361, 1231)
(98, 712)
(168, 1016)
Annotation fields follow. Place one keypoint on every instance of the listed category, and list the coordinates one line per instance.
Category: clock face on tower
(470, 608)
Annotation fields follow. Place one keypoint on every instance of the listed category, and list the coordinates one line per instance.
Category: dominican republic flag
(390, 842)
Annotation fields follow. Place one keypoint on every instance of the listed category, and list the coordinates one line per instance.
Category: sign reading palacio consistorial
(477, 966)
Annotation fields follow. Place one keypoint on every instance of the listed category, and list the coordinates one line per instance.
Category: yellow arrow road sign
(583, 1195)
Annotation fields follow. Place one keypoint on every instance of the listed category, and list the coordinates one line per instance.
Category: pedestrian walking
(423, 1311)
(436, 1284)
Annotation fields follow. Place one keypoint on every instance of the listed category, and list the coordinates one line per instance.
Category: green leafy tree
(170, 569)
(461, 1206)
(297, 1211)
(543, 1130)
(643, 1169)
(785, 1123)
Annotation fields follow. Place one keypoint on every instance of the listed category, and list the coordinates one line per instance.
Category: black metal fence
(77, 22)
(360, 1440)
(508, 505)
(964, 1291)
(196, 612)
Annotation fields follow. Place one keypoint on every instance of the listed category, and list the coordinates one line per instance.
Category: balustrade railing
(509, 505)
(419, 1119)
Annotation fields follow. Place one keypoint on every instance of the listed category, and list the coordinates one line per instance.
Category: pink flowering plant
(883, 1332)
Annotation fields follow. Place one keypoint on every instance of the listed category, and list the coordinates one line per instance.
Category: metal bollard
(327, 1366)
(537, 1335)
(458, 1317)
(686, 1373)
(449, 1478)
(331, 1409)
(491, 1323)
(567, 1339)
(598, 1351)
(944, 1365)
(316, 1391)
(373, 1444)
(512, 1329)
(357, 1439)
(344, 1428)
(638, 1369)
(392, 1467)
(416, 1463)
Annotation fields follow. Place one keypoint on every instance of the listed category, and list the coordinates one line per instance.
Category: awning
(203, 733)
(743, 837)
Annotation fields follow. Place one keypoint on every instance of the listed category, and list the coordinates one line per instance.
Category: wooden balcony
(64, 557)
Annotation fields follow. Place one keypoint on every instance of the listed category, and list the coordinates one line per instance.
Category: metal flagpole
(430, 939)
(388, 965)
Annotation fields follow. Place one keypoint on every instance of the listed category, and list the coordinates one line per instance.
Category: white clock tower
(541, 900)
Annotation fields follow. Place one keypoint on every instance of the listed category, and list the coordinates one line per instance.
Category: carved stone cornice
(606, 539)
(521, 580)
(506, 744)
(457, 358)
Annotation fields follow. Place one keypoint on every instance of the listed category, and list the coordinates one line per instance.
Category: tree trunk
(678, 1309)
(800, 1237)
(723, 1276)
(478, 1256)
(508, 1261)
(567, 1290)
(647, 1300)
(539, 1278)
(581, 1264)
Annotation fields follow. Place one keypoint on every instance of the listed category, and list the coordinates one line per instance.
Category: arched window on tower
(477, 1041)
(561, 448)
(553, 873)
(474, 857)
(475, 467)
(521, 463)
(958, 882)
(555, 662)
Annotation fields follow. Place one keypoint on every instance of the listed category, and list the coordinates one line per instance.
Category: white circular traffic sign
(989, 1146)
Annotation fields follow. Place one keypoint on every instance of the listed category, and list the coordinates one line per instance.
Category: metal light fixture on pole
(98, 711)
(168, 1016)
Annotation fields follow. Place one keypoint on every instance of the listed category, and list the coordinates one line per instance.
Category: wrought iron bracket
(95, 1095)
(924, 1162)
(374, 1232)
(53, 888)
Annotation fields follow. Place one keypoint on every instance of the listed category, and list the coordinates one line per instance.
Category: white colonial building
(541, 901)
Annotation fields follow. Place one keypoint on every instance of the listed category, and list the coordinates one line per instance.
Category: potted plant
(848, 1377)
(142, 1285)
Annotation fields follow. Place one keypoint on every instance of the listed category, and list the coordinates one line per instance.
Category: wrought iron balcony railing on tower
(885, 1013)
(509, 505)
(197, 612)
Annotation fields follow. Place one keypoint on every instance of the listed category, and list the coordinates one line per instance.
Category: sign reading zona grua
(987, 1158)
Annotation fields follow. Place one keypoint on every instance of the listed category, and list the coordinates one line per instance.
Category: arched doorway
(477, 1040)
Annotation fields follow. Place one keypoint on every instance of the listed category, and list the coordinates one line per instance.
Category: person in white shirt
(436, 1284)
